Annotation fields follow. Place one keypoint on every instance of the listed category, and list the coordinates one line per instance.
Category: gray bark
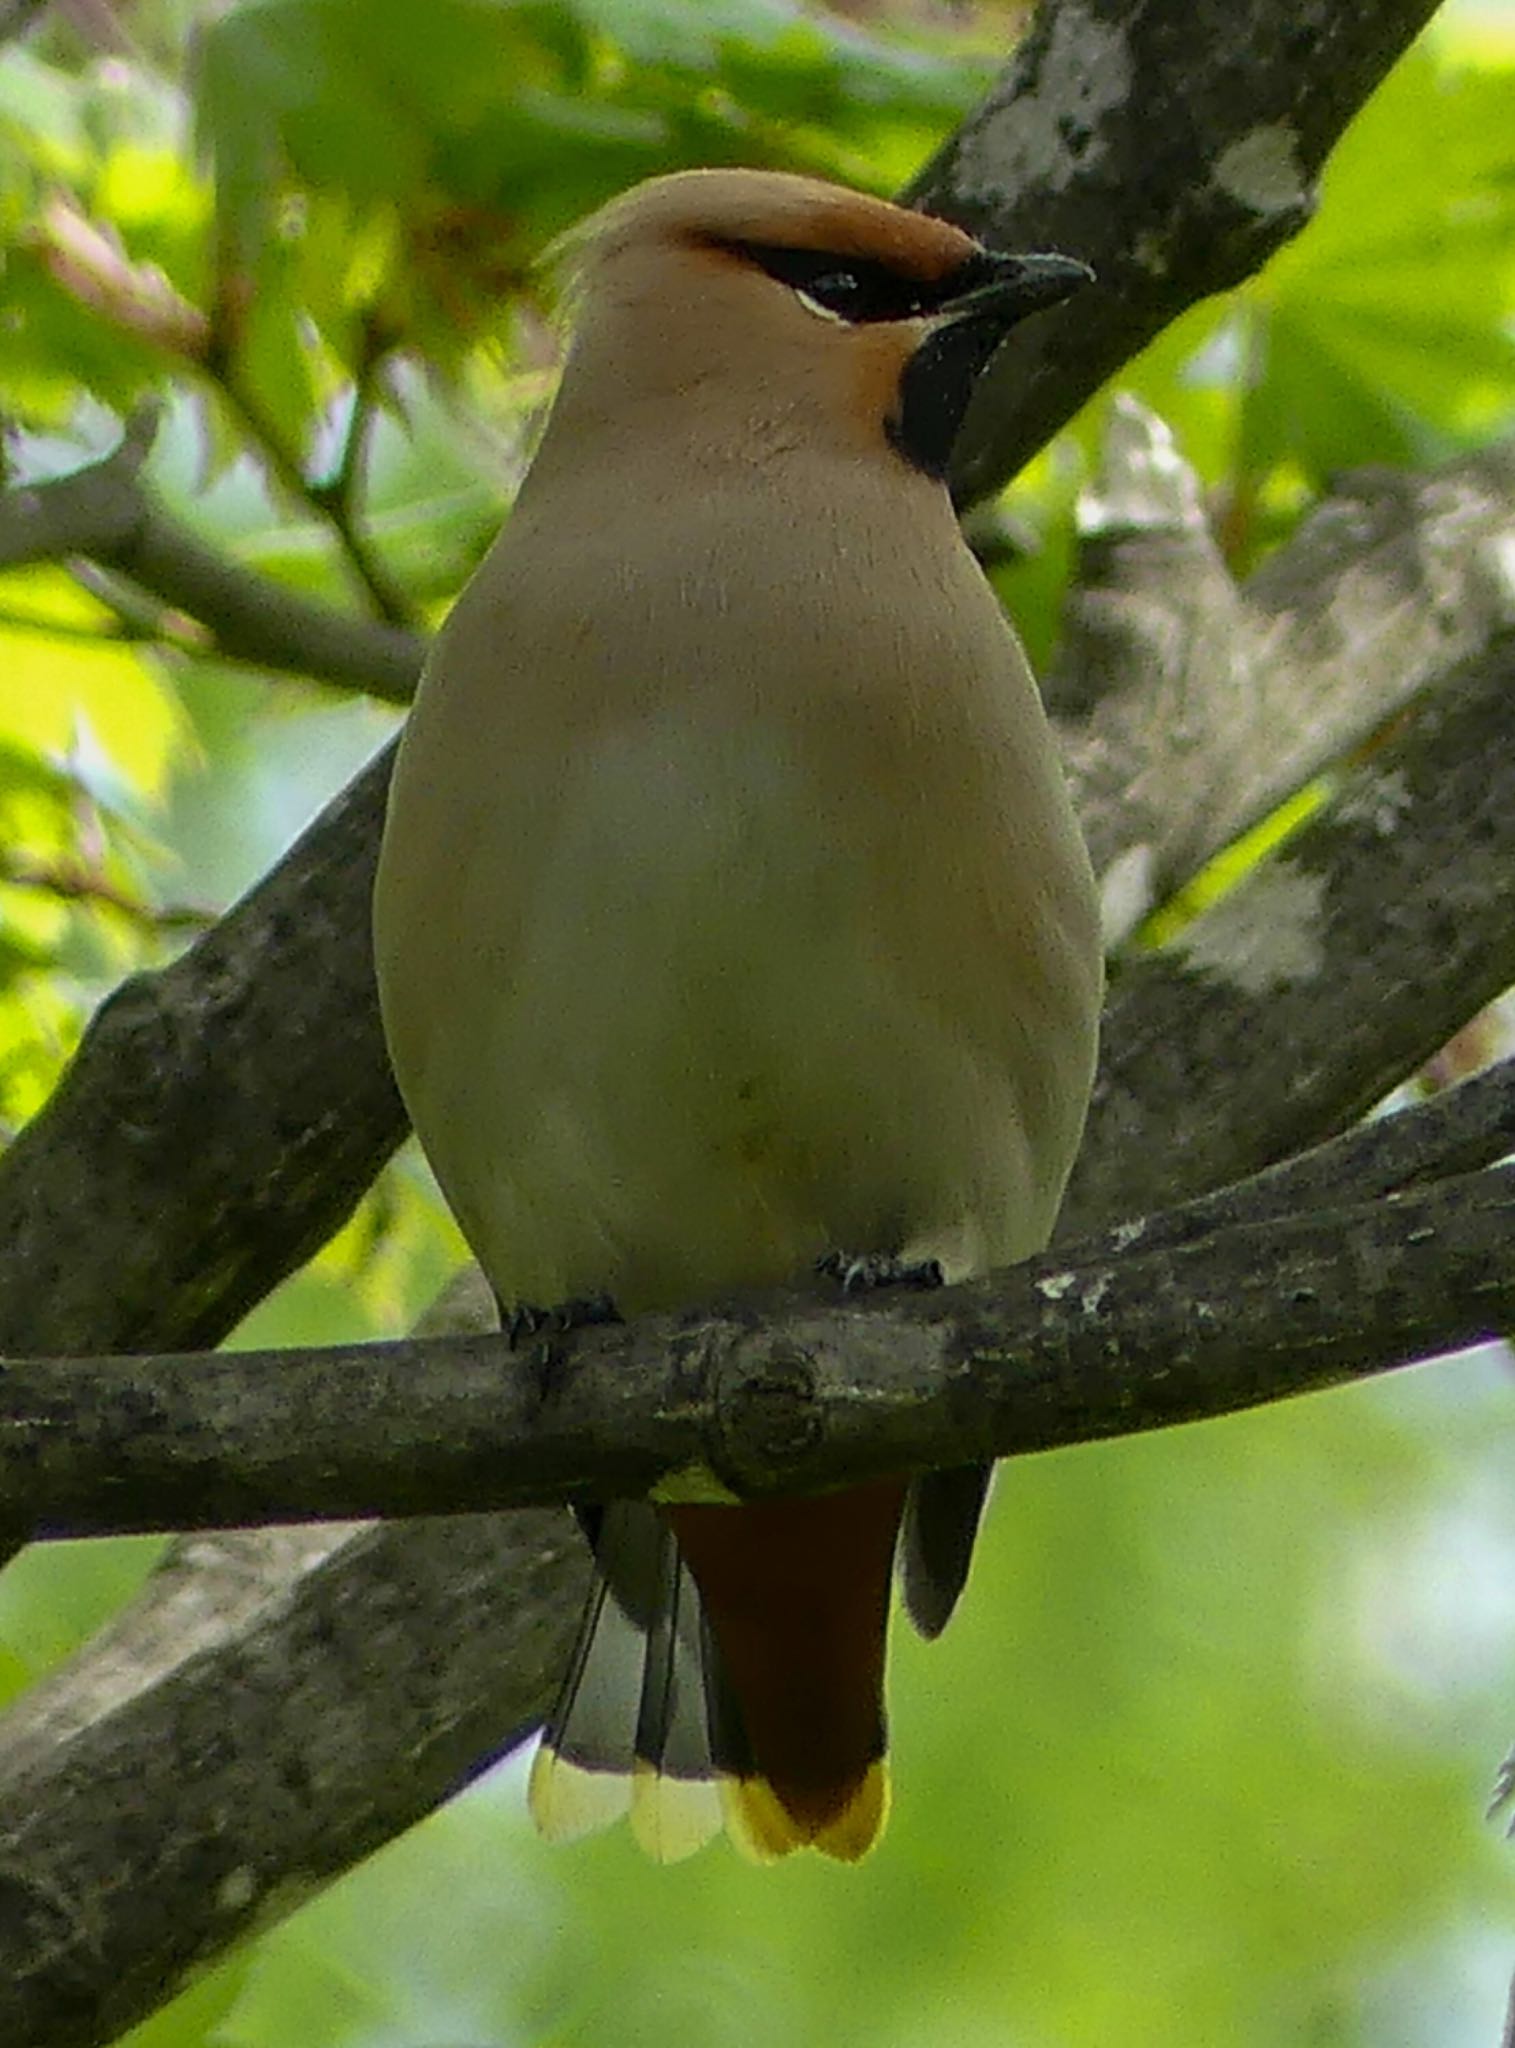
(1359, 1257)
(1191, 708)
(1175, 145)
(365, 1675)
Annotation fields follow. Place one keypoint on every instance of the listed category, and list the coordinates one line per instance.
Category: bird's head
(786, 308)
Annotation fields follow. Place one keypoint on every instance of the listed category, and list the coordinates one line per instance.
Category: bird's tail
(632, 1728)
(728, 1670)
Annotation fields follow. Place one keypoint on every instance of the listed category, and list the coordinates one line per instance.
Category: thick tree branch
(1173, 144)
(1190, 707)
(1296, 1002)
(1240, 1298)
(323, 1688)
(17, 16)
(178, 1171)
(373, 1676)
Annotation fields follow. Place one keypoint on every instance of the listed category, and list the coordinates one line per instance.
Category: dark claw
(521, 1323)
(586, 1310)
(525, 1321)
(861, 1272)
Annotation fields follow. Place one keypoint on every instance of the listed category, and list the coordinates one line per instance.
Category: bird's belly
(705, 1067)
(684, 1154)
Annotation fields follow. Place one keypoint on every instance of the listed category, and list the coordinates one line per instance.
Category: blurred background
(1206, 1756)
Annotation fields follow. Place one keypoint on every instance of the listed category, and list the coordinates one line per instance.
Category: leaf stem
(333, 501)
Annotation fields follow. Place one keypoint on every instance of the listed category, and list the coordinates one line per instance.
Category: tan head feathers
(711, 209)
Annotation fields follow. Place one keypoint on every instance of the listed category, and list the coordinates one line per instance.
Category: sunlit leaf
(56, 1595)
(61, 693)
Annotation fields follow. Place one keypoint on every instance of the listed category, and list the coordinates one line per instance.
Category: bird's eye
(837, 291)
(854, 293)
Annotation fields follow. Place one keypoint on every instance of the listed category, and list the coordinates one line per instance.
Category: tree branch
(1264, 1026)
(106, 513)
(317, 1691)
(76, 882)
(177, 1173)
(338, 493)
(17, 16)
(1235, 1300)
(324, 1687)
(1190, 708)
(1175, 145)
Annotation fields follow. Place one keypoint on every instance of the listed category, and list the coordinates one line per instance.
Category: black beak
(991, 295)
(1005, 289)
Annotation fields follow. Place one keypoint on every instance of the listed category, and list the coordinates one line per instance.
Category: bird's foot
(524, 1321)
(861, 1272)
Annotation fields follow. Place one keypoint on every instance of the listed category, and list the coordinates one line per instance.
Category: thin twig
(339, 491)
(137, 612)
(386, 600)
(83, 885)
(105, 513)
(110, 633)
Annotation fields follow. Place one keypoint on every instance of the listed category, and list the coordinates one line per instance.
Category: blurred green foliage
(1204, 1757)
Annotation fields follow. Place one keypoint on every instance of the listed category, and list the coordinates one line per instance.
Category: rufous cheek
(881, 357)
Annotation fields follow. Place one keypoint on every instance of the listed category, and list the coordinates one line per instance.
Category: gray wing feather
(942, 1513)
(645, 1719)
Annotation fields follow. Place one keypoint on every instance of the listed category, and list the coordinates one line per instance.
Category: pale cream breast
(745, 958)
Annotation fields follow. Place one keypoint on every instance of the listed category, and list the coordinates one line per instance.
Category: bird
(731, 917)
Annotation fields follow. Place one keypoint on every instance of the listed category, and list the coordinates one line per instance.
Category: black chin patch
(934, 391)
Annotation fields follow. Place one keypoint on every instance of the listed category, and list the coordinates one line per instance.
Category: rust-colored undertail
(796, 1593)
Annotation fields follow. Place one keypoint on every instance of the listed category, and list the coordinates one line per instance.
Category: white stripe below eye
(821, 312)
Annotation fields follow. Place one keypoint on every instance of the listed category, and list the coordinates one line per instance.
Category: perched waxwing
(731, 913)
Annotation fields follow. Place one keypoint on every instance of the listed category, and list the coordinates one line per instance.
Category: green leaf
(55, 1596)
(1390, 324)
(197, 2018)
(41, 114)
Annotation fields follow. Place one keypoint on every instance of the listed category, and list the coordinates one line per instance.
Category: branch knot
(766, 1413)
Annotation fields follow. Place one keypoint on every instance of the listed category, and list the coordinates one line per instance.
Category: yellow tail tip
(764, 1830)
(568, 1802)
(672, 1817)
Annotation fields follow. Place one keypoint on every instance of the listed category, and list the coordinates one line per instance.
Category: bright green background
(1204, 1759)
